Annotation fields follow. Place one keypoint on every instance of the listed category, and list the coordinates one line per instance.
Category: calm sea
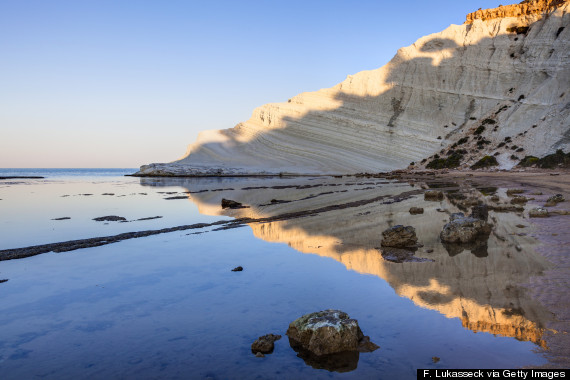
(66, 172)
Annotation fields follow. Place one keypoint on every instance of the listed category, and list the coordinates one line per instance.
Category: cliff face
(510, 65)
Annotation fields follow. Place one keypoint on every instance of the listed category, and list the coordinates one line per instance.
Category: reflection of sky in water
(169, 306)
(28, 207)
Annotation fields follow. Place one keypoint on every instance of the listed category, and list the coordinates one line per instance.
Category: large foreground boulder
(328, 332)
(464, 229)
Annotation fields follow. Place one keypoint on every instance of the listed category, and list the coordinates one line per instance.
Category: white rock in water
(430, 94)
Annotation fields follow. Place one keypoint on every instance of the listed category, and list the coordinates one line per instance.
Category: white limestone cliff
(509, 65)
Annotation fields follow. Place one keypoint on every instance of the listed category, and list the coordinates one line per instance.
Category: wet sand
(552, 288)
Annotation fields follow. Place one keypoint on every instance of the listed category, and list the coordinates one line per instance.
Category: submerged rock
(401, 255)
(264, 344)
(328, 332)
(228, 203)
(511, 192)
(399, 237)
(480, 212)
(464, 229)
(110, 218)
(479, 247)
(416, 210)
(538, 212)
(519, 200)
(433, 195)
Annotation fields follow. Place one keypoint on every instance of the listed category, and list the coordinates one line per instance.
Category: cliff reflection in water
(479, 284)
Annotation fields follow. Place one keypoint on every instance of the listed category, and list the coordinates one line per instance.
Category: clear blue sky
(124, 83)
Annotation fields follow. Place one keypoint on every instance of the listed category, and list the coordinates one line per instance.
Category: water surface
(168, 306)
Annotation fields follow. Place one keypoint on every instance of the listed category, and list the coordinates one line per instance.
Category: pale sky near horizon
(125, 83)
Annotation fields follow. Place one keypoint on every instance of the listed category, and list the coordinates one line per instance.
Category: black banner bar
(525, 374)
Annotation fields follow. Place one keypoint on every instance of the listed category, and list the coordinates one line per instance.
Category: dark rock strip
(149, 218)
(19, 253)
(176, 197)
(1, 281)
(62, 218)
(110, 218)
(22, 177)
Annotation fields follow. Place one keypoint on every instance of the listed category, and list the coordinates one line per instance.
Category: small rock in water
(228, 203)
(538, 212)
(110, 218)
(264, 344)
(433, 195)
(237, 269)
(5, 280)
(554, 200)
(511, 192)
(416, 210)
(519, 199)
(62, 218)
(399, 237)
(435, 359)
(464, 229)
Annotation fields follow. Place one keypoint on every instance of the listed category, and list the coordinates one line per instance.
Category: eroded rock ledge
(525, 8)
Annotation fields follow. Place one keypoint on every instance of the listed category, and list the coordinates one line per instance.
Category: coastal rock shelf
(510, 75)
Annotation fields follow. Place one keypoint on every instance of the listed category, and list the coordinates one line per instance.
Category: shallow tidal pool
(169, 306)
